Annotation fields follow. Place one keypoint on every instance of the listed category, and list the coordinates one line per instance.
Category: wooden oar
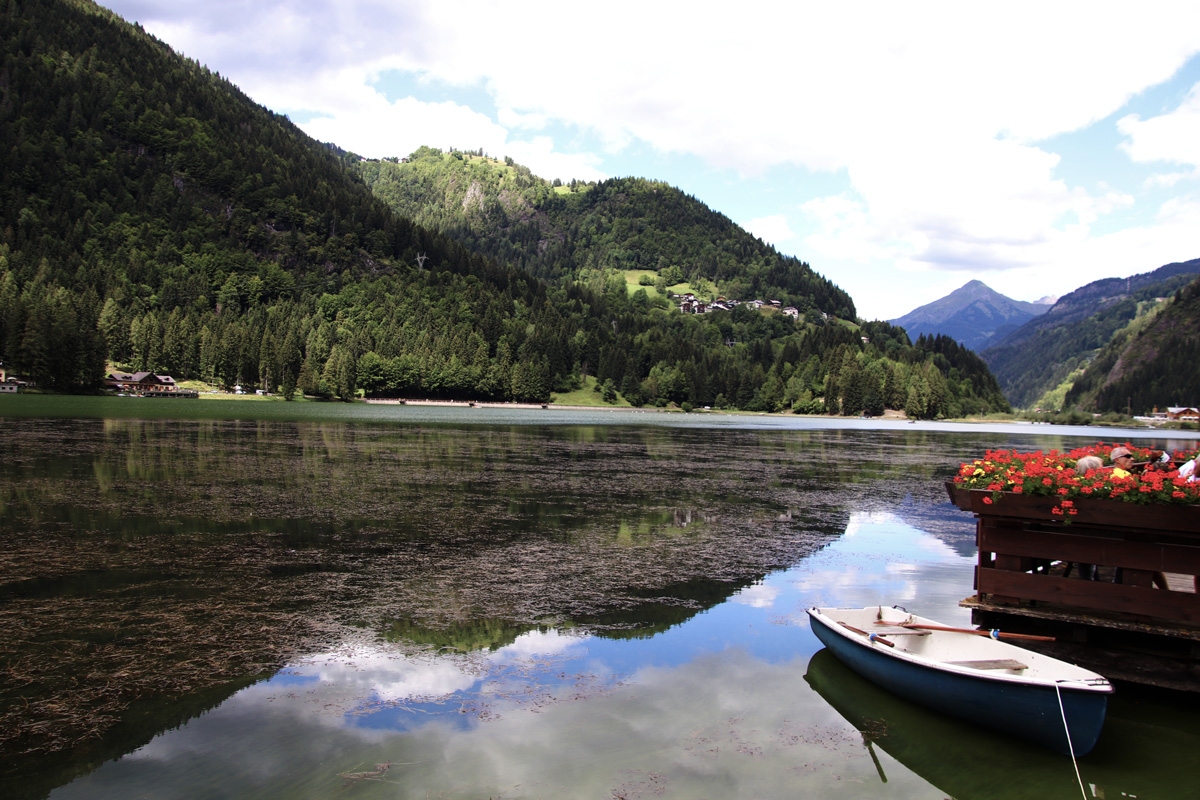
(874, 637)
(993, 634)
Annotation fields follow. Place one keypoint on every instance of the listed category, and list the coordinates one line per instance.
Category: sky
(900, 149)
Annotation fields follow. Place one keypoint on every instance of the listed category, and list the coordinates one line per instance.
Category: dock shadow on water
(215, 608)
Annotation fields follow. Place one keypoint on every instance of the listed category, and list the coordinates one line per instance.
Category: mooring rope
(1070, 747)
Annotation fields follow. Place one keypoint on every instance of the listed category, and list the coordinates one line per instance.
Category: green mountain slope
(1042, 353)
(556, 232)
(154, 216)
(1152, 367)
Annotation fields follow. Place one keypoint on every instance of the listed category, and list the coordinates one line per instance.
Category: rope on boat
(1070, 747)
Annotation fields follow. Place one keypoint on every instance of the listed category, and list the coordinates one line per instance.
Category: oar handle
(995, 634)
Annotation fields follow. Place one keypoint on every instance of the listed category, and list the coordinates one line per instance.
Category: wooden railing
(1024, 548)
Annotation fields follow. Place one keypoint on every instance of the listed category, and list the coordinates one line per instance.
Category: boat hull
(1027, 710)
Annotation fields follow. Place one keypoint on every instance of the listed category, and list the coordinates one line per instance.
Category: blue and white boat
(973, 677)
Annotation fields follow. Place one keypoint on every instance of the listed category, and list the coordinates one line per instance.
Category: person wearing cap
(1122, 460)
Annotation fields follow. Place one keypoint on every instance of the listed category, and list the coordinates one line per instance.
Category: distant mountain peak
(972, 315)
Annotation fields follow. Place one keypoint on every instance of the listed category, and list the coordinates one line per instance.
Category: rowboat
(970, 675)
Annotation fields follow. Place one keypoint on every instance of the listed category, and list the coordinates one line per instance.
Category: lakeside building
(9, 384)
(146, 384)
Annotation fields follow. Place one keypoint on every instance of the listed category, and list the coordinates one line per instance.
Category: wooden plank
(1178, 607)
(892, 630)
(992, 663)
(1003, 616)
(1111, 514)
(1082, 548)
(960, 497)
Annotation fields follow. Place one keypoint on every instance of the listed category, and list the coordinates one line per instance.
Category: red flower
(1052, 473)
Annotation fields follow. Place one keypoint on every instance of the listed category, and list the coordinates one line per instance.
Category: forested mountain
(1056, 346)
(501, 209)
(972, 315)
(1154, 367)
(154, 213)
(154, 216)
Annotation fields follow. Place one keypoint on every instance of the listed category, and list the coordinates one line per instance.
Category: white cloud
(757, 596)
(772, 229)
(378, 128)
(1174, 136)
(540, 643)
(539, 155)
(1168, 180)
(387, 674)
(515, 119)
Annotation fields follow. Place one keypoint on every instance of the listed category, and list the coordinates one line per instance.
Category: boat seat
(990, 663)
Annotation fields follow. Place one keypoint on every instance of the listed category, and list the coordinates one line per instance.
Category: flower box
(1090, 513)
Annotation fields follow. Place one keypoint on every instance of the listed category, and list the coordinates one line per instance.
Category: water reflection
(715, 700)
(969, 763)
(509, 610)
(731, 702)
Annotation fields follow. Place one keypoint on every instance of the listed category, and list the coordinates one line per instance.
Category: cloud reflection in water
(716, 706)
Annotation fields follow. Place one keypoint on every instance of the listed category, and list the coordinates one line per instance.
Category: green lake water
(248, 599)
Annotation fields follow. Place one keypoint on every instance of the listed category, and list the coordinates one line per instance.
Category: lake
(227, 599)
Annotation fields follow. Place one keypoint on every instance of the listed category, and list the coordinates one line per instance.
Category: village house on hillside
(690, 304)
(146, 384)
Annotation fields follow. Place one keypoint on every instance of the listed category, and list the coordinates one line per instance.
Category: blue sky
(900, 150)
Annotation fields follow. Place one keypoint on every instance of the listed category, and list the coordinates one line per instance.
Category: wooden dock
(1114, 583)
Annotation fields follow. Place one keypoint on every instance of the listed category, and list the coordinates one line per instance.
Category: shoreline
(1141, 426)
(887, 415)
(487, 404)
